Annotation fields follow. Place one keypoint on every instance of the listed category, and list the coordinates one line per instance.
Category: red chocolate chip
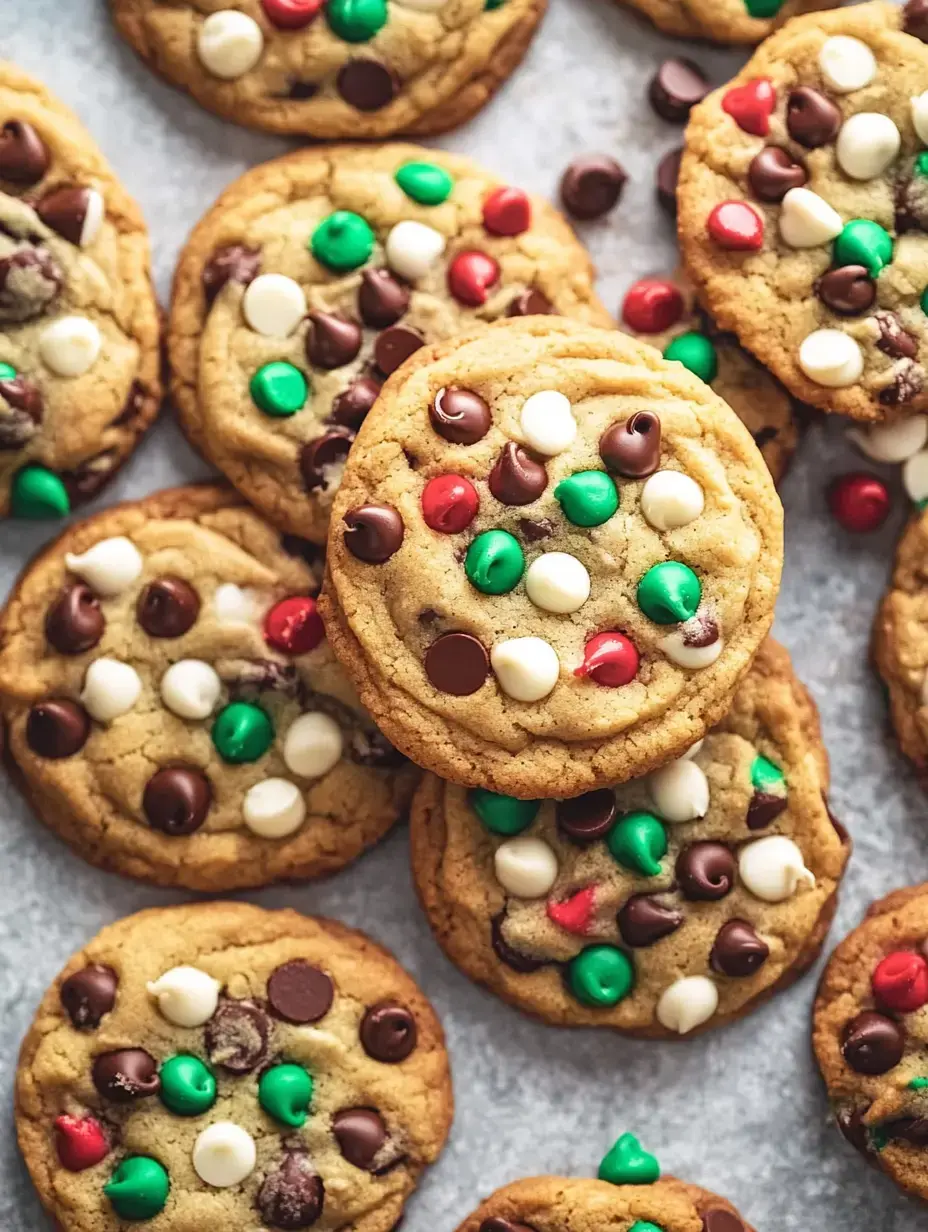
(900, 981)
(507, 211)
(460, 416)
(388, 1032)
(299, 992)
(574, 914)
(80, 1142)
(751, 105)
(736, 226)
(457, 663)
(591, 186)
(293, 626)
(652, 305)
(449, 503)
(471, 275)
(74, 622)
(859, 502)
(292, 14)
(609, 659)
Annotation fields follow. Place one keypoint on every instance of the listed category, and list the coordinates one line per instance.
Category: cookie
(803, 203)
(552, 556)
(665, 313)
(315, 276)
(672, 903)
(335, 68)
(724, 21)
(79, 328)
(220, 1066)
(173, 710)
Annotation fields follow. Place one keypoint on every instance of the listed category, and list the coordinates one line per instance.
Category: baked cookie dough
(79, 329)
(314, 276)
(173, 710)
(673, 903)
(724, 21)
(334, 68)
(552, 557)
(219, 1066)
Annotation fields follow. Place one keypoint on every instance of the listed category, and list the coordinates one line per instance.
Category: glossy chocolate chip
(126, 1075)
(26, 409)
(873, 1043)
(773, 172)
(676, 88)
(237, 1035)
(533, 530)
(705, 871)
(586, 818)
(665, 180)
(811, 119)
(737, 950)
(643, 920)
(331, 341)
(591, 186)
(176, 800)
(907, 383)
(65, 212)
(516, 478)
(299, 992)
(319, 456)
(764, 808)
(168, 607)
(894, 340)
(850, 1122)
(235, 263)
(460, 416)
(633, 448)
(30, 278)
(718, 1220)
(394, 346)
(292, 1195)
(89, 994)
(374, 533)
(367, 85)
(57, 729)
(388, 1032)
(300, 91)
(24, 157)
(523, 963)
(351, 407)
(915, 19)
(457, 663)
(530, 303)
(360, 1134)
(848, 291)
(75, 622)
(382, 298)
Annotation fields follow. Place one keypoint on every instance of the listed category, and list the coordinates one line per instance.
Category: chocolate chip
(360, 1134)
(460, 416)
(88, 995)
(705, 871)
(718, 1220)
(235, 263)
(24, 158)
(666, 179)
(325, 452)
(915, 19)
(457, 663)
(516, 478)
(811, 119)
(176, 800)
(367, 85)
(530, 303)
(331, 341)
(351, 406)
(388, 1032)
(701, 631)
(737, 950)
(633, 448)
(873, 1043)
(372, 748)
(65, 212)
(374, 533)
(86, 480)
(850, 1122)
(909, 1129)
(894, 340)
(586, 818)
(907, 383)
(126, 1075)
(773, 172)
(763, 809)
(382, 298)
(523, 963)
(74, 622)
(237, 1035)
(292, 1195)
(848, 291)
(30, 278)
(496, 1223)
(57, 729)
(643, 920)
(167, 607)
(299, 992)
(24, 410)
(676, 88)
(300, 91)
(592, 185)
(533, 530)
(394, 346)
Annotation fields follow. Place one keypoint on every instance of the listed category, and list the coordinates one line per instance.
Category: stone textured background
(739, 1110)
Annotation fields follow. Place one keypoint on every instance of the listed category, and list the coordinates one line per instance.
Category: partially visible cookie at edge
(724, 21)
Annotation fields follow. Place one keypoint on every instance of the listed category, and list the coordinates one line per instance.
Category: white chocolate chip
(190, 689)
(109, 567)
(274, 305)
(548, 423)
(412, 249)
(915, 476)
(830, 357)
(807, 220)
(186, 996)
(557, 582)
(70, 345)
(773, 868)
(687, 1004)
(527, 668)
(224, 1155)
(313, 745)
(111, 689)
(692, 657)
(867, 143)
(234, 606)
(680, 791)
(693, 749)
(670, 499)
(920, 116)
(525, 867)
(847, 64)
(93, 218)
(274, 808)
(229, 44)
(892, 442)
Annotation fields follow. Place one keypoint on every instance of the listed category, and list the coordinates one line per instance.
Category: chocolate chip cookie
(553, 555)
(219, 1066)
(334, 68)
(79, 330)
(315, 276)
(673, 903)
(173, 710)
(724, 21)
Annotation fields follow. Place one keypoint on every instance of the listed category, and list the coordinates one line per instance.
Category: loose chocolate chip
(850, 1122)
(907, 383)
(643, 920)
(533, 530)
(388, 1032)
(718, 1220)
(30, 278)
(915, 19)
(19, 423)
(89, 994)
(24, 158)
(666, 178)
(126, 1075)
(848, 291)
(351, 406)
(65, 212)
(522, 963)
(516, 478)
(168, 607)
(291, 1196)
(457, 663)
(331, 341)
(530, 303)
(908, 1129)
(497, 1224)
(632, 449)
(705, 871)
(894, 340)
(586, 818)
(394, 346)
(177, 800)
(773, 172)
(811, 119)
(737, 950)
(237, 1035)
(318, 457)
(592, 185)
(382, 298)
(873, 1043)
(374, 533)
(74, 622)
(57, 728)
(764, 808)
(460, 416)
(676, 88)
(299, 992)
(236, 263)
(360, 1134)
(367, 85)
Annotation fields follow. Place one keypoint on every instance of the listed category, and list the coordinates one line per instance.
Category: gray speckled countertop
(740, 1110)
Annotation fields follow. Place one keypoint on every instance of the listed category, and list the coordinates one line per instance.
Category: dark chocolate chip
(666, 179)
(460, 416)
(533, 530)
(299, 992)
(811, 119)
(496, 1223)
(237, 1036)
(319, 455)
(737, 950)
(367, 85)
(586, 818)
(30, 278)
(235, 263)
(591, 186)
(848, 290)
(701, 631)
(374, 533)
(913, 1130)
(57, 728)
(351, 406)
(292, 1195)
(764, 808)
(773, 172)
(360, 1134)
(705, 871)
(126, 1075)
(65, 211)
(388, 1032)
(516, 478)
(300, 91)
(907, 383)
(168, 607)
(719, 1220)
(89, 994)
(530, 303)
(643, 920)
(382, 298)
(74, 622)
(676, 88)
(24, 157)
(850, 1122)
(873, 1043)
(894, 340)
(633, 448)
(523, 963)
(394, 346)
(26, 408)
(331, 341)
(457, 663)
(176, 800)
(915, 19)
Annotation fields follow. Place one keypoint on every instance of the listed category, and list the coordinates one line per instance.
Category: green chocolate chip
(7, 372)
(494, 562)
(918, 1084)
(638, 841)
(767, 777)
(285, 1093)
(39, 493)
(763, 8)
(628, 1163)
(921, 163)
(242, 732)
(696, 352)
(865, 243)
(188, 1087)
(342, 241)
(138, 1188)
(924, 301)
(356, 21)
(279, 389)
(878, 1138)
(669, 592)
(494, 4)
(426, 183)
(503, 814)
(600, 976)
(645, 1225)
(588, 498)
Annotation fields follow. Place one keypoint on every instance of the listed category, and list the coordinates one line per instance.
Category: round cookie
(803, 203)
(79, 328)
(334, 68)
(665, 313)
(220, 1066)
(552, 557)
(673, 903)
(173, 710)
(724, 21)
(315, 276)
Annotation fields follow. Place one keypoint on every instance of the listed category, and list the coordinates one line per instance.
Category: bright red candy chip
(610, 659)
(860, 502)
(751, 105)
(737, 226)
(81, 1143)
(900, 981)
(507, 211)
(449, 503)
(652, 305)
(292, 14)
(294, 626)
(574, 914)
(470, 276)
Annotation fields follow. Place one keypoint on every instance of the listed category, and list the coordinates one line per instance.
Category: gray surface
(740, 1110)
